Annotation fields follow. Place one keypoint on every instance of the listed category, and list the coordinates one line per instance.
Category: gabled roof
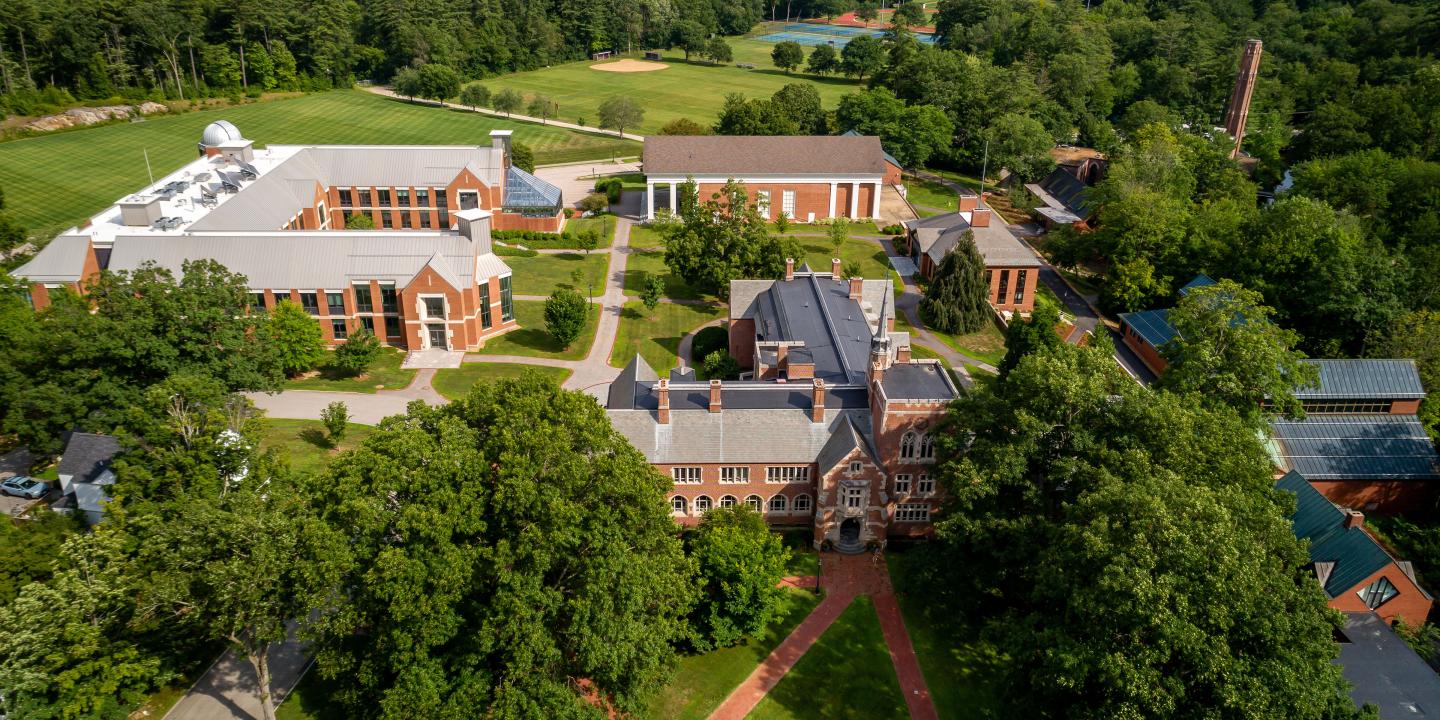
(61, 260)
(1199, 281)
(1153, 326)
(1383, 671)
(87, 456)
(623, 388)
(735, 435)
(743, 155)
(888, 157)
(939, 234)
(845, 440)
(442, 268)
(1356, 447)
(1354, 555)
(1068, 191)
(523, 190)
(1367, 379)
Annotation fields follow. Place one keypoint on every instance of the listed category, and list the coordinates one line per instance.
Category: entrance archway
(850, 531)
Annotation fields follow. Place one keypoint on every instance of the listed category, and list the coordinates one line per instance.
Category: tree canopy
(740, 563)
(722, 238)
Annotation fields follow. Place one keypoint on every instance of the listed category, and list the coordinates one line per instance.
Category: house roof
(1351, 553)
(622, 389)
(843, 442)
(735, 435)
(917, 381)
(888, 157)
(61, 260)
(1153, 326)
(87, 456)
(1199, 281)
(1383, 671)
(1066, 190)
(1365, 379)
(744, 155)
(1356, 447)
(939, 234)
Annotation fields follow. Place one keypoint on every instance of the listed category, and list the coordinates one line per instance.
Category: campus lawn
(931, 195)
(803, 558)
(702, 682)
(57, 180)
(656, 334)
(846, 674)
(645, 237)
(643, 263)
(869, 255)
(986, 345)
(963, 673)
(970, 181)
(384, 373)
(454, 383)
(310, 700)
(708, 340)
(603, 224)
(532, 340)
(694, 90)
(305, 444)
(541, 274)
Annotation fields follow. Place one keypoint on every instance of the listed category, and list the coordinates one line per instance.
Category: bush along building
(423, 276)
(832, 426)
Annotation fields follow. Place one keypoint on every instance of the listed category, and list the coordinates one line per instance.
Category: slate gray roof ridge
(744, 155)
(87, 455)
(1356, 378)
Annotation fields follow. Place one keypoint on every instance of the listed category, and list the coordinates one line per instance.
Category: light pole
(819, 569)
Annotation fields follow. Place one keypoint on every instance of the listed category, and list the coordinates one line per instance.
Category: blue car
(25, 487)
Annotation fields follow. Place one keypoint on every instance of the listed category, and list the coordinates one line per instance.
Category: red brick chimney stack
(1238, 111)
(789, 268)
(969, 202)
(715, 396)
(663, 389)
(835, 267)
(856, 286)
(1354, 518)
(980, 217)
(817, 406)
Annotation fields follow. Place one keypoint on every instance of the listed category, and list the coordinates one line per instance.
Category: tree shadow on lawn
(534, 339)
(852, 650)
(801, 77)
(708, 340)
(317, 437)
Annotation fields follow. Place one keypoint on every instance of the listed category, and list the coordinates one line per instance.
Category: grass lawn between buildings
(533, 340)
(542, 274)
(383, 374)
(454, 383)
(94, 167)
(986, 345)
(656, 334)
(305, 444)
(847, 674)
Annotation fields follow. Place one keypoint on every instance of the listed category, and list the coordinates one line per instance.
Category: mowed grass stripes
(52, 182)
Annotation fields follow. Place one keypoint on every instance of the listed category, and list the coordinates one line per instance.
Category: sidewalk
(387, 92)
(227, 690)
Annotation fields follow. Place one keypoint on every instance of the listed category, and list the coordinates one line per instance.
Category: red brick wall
(711, 487)
(1405, 407)
(1147, 352)
(1409, 603)
(515, 221)
(809, 198)
(742, 342)
(1384, 496)
(892, 174)
(1032, 277)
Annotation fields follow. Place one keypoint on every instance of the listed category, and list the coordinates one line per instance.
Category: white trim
(775, 179)
(854, 199)
(875, 201)
(831, 213)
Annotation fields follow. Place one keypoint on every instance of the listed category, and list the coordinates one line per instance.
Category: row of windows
(912, 512)
(335, 301)
(924, 484)
(389, 220)
(348, 198)
(917, 446)
(680, 505)
(691, 475)
(787, 202)
(1378, 593)
(1003, 291)
(1347, 406)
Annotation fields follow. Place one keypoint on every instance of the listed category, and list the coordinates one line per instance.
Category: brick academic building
(424, 277)
(832, 428)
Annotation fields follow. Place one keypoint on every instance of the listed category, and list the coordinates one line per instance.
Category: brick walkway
(843, 578)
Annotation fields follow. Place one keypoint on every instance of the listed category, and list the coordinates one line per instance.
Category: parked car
(25, 487)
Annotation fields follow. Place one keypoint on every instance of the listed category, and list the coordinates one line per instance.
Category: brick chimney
(1238, 109)
(789, 268)
(969, 202)
(902, 354)
(980, 217)
(1354, 519)
(715, 396)
(856, 285)
(835, 268)
(817, 404)
(662, 388)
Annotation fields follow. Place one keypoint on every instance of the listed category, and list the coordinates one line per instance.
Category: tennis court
(812, 34)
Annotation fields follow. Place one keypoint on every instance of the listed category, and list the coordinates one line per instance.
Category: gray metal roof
(61, 260)
(920, 380)
(1365, 379)
(1357, 447)
(743, 155)
(87, 456)
(939, 234)
(1383, 671)
(733, 436)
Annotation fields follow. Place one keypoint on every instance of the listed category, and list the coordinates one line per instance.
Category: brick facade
(1409, 602)
(1381, 496)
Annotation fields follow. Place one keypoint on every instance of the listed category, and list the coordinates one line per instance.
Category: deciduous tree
(475, 95)
(565, 312)
(787, 55)
(296, 338)
(508, 100)
(862, 56)
(740, 564)
(823, 60)
(722, 238)
(360, 349)
(619, 112)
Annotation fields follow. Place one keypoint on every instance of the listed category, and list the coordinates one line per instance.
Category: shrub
(296, 338)
(335, 416)
(565, 315)
(720, 366)
(594, 203)
(895, 229)
(357, 353)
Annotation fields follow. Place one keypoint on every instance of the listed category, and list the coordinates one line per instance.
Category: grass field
(304, 443)
(656, 334)
(847, 674)
(384, 373)
(702, 682)
(541, 274)
(694, 90)
(531, 340)
(643, 263)
(54, 181)
(455, 383)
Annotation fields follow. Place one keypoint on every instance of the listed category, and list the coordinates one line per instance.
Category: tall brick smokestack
(1239, 109)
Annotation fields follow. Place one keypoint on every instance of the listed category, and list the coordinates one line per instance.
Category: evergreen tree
(956, 300)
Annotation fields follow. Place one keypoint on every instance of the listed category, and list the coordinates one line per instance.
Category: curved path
(387, 92)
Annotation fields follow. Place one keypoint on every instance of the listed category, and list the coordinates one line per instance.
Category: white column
(674, 211)
(831, 213)
(649, 201)
(854, 199)
(875, 208)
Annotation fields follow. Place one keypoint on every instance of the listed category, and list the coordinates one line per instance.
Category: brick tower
(1239, 109)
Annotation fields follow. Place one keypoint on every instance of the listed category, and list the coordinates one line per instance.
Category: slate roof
(1365, 379)
(1356, 447)
(846, 439)
(735, 435)
(917, 381)
(1352, 553)
(939, 234)
(744, 155)
(622, 389)
(87, 456)
(61, 260)
(1383, 671)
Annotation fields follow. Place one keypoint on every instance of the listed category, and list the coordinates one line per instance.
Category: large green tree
(956, 301)
(740, 564)
(296, 337)
(722, 238)
(565, 312)
(495, 543)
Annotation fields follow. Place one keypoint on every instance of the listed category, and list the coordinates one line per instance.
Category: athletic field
(812, 34)
(54, 181)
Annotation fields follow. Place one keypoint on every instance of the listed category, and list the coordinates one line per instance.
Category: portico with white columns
(805, 199)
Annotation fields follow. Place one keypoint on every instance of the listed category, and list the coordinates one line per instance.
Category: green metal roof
(1354, 553)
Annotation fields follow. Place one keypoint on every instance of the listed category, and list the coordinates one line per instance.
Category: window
(385, 197)
(402, 198)
(1004, 286)
(989, 278)
(739, 474)
(854, 497)
(485, 305)
(912, 512)
(434, 307)
(257, 302)
(902, 483)
(310, 303)
(787, 474)
(1019, 286)
(442, 202)
(507, 305)
(392, 327)
(753, 502)
(727, 501)
(425, 220)
(1378, 593)
(346, 199)
(335, 302)
(801, 503)
(787, 203)
(907, 445)
(685, 475)
(323, 215)
(368, 323)
(702, 505)
(388, 301)
(346, 215)
(405, 220)
(338, 328)
(778, 503)
(855, 466)
(364, 198)
(927, 447)
(422, 197)
(677, 505)
(924, 485)
(362, 297)
(387, 220)
(762, 202)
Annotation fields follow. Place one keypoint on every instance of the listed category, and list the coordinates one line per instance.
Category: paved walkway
(387, 92)
(845, 577)
(909, 304)
(687, 343)
(227, 690)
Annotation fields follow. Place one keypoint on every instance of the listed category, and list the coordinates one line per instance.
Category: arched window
(907, 445)
(702, 505)
(801, 503)
(677, 505)
(779, 504)
(927, 447)
(727, 501)
(754, 502)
